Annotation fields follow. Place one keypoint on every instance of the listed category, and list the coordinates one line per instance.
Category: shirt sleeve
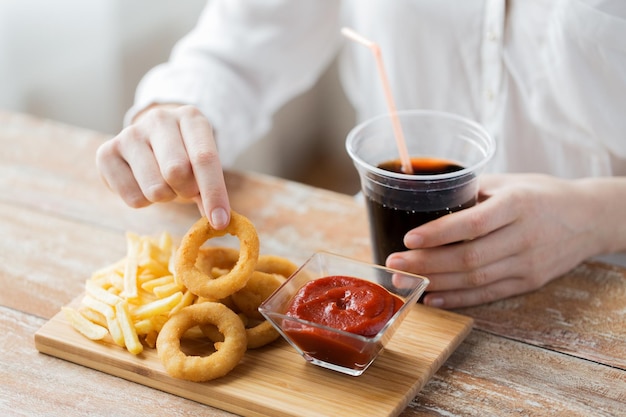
(242, 62)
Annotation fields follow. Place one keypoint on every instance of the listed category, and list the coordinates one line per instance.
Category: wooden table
(557, 351)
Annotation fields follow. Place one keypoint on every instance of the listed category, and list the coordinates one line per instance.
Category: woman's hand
(168, 153)
(526, 231)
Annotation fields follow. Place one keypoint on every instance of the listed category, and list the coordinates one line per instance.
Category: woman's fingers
(468, 224)
(525, 232)
(118, 176)
(206, 166)
(475, 296)
(168, 153)
(171, 154)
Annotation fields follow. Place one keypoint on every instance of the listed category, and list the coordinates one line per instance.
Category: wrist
(607, 214)
(145, 110)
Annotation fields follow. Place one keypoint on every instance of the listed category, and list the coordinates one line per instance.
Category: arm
(241, 62)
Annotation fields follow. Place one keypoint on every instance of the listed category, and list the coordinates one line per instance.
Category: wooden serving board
(275, 381)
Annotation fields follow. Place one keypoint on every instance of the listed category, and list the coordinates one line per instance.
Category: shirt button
(492, 36)
(489, 94)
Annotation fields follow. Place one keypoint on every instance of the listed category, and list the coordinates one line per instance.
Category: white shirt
(547, 78)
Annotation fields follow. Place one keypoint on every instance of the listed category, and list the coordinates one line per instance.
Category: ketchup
(345, 303)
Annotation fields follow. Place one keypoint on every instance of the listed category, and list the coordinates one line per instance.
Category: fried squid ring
(199, 282)
(198, 368)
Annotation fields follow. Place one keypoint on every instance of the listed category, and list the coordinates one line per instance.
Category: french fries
(85, 326)
(130, 300)
(139, 302)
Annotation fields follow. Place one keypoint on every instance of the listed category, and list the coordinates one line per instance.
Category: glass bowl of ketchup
(339, 313)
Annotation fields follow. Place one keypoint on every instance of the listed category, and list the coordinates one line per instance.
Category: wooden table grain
(560, 350)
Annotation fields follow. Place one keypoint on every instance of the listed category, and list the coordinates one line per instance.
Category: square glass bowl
(331, 348)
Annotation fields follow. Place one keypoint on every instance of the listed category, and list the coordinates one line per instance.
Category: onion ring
(247, 301)
(211, 332)
(273, 264)
(212, 257)
(261, 334)
(259, 287)
(197, 368)
(199, 282)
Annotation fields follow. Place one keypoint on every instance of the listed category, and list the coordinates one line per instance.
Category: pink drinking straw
(407, 168)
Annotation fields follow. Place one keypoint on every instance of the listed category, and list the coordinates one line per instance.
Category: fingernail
(397, 263)
(413, 241)
(434, 302)
(219, 218)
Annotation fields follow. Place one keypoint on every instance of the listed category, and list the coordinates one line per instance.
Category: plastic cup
(448, 152)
